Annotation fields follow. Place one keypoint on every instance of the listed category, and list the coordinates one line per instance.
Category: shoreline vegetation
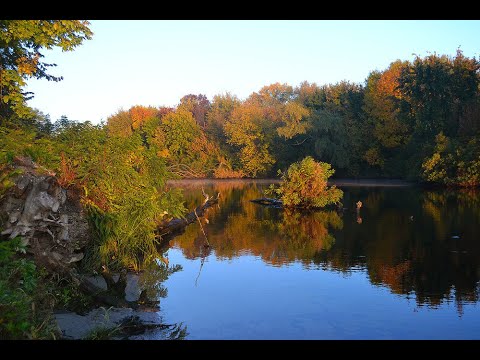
(347, 182)
(417, 120)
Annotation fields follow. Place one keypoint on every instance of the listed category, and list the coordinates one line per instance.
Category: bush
(453, 163)
(22, 297)
(304, 185)
(223, 172)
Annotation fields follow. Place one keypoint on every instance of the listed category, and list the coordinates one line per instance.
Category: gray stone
(74, 326)
(132, 290)
(76, 257)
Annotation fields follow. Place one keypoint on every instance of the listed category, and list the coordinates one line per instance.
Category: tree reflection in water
(406, 239)
(150, 283)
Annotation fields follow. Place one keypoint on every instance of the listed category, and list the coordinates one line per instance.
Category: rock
(75, 258)
(56, 256)
(75, 326)
(98, 281)
(132, 290)
(14, 216)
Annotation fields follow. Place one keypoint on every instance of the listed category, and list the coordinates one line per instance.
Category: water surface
(407, 266)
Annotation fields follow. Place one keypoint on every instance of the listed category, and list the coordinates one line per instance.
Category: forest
(417, 120)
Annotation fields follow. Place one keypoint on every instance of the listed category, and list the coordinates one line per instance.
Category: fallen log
(278, 204)
(115, 294)
(176, 225)
(268, 202)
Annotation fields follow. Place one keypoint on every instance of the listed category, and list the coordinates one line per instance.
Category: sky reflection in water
(398, 272)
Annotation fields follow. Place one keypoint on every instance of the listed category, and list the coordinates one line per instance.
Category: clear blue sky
(157, 62)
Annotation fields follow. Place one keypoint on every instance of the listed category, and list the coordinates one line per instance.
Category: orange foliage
(223, 172)
(392, 275)
(67, 174)
(388, 83)
(97, 198)
(139, 113)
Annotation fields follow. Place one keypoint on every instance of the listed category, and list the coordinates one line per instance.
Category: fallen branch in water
(268, 202)
(278, 204)
(177, 224)
(115, 295)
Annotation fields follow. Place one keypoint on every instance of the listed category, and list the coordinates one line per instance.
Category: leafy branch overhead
(21, 45)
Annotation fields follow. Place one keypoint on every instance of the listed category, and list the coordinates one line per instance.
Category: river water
(406, 266)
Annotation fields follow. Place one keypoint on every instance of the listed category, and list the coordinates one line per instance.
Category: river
(406, 266)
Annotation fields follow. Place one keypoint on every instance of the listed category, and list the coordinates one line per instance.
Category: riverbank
(336, 182)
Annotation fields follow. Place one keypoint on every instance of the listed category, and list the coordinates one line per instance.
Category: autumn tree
(120, 124)
(21, 43)
(139, 114)
(285, 118)
(248, 131)
(220, 112)
(304, 185)
(198, 105)
(452, 163)
(382, 105)
(382, 97)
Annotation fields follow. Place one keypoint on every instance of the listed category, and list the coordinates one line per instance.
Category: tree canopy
(21, 45)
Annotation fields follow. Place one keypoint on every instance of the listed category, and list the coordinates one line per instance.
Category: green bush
(21, 316)
(453, 163)
(304, 185)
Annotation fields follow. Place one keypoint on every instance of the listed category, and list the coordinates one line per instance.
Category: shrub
(223, 172)
(304, 185)
(453, 163)
(24, 307)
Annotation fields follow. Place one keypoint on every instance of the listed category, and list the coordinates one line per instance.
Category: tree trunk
(176, 225)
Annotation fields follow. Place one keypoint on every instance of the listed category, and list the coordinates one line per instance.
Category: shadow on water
(412, 241)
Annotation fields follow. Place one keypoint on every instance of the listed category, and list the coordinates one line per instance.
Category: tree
(437, 90)
(180, 131)
(219, 113)
(388, 127)
(21, 42)
(304, 185)
(335, 124)
(453, 163)
(284, 119)
(140, 114)
(248, 129)
(381, 105)
(198, 105)
(120, 124)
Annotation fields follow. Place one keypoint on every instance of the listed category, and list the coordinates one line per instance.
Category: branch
(177, 224)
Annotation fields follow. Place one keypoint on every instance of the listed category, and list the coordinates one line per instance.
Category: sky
(147, 62)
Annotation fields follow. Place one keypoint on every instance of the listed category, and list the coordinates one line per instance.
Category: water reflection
(148, 288)
(414, 242)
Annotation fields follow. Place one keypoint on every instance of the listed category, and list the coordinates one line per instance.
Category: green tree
(21, 42)
(248, 129)
(120, 124)
(453, 163)
(437, 90)
(336, 127)
(180, 131)
(219, 113)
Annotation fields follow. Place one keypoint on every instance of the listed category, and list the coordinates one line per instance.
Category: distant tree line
(416, 120)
